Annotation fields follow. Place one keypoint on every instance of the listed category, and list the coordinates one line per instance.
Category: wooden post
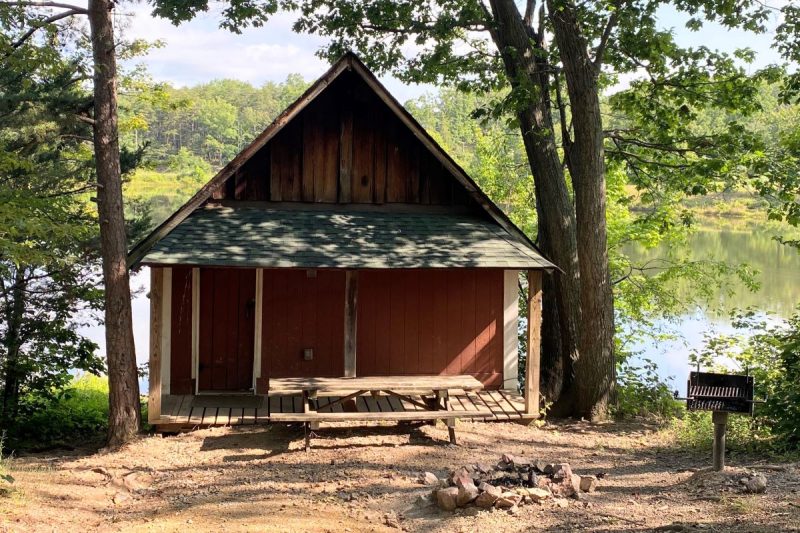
(156, 321)
(350, 319)
(534, 342)
(720, 420)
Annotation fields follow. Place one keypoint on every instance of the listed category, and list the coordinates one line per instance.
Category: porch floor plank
(476, 405)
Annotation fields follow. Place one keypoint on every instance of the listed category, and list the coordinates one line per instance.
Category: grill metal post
(720, 420)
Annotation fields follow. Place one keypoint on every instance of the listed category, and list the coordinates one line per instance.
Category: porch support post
(532, 375)
(156, 321)
(195, 326)
(350, 319)
(166, 330)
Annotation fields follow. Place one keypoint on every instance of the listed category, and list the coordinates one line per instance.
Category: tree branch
(58, 5)
(87, 120)
(601, 47)
(40, 24)
(529, 9)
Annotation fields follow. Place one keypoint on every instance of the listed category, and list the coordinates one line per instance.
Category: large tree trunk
(124, 420)
(595, 370)
(527, 72)
(13, 344)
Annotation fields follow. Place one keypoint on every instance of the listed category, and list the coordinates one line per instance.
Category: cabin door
(227, 329)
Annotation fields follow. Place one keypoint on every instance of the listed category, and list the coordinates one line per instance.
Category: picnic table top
(397, 384)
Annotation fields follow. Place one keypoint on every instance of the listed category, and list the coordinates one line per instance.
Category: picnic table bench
(404, 388)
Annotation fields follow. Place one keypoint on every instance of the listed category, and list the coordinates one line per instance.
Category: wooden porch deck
(189, 411)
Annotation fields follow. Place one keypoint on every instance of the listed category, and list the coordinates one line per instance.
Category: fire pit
(512, 482)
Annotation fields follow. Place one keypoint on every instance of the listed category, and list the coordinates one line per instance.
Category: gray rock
(756, 484)
(428, 478)
(588, 483)
(558, 470)
(491, 489)
(508, 500)
(447, 499)
(466, 494)
(486, 499)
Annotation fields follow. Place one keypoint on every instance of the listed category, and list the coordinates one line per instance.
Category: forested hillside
(190, 132)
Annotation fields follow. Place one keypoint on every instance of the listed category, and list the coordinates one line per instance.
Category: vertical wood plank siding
(302, 309)
(346, 147)
(181, 338)
(408, 322)
(227, 327)
(431, 322)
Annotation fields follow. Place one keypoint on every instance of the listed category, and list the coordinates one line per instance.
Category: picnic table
(409, 389)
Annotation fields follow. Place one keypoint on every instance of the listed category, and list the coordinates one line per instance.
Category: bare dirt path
(365, 479)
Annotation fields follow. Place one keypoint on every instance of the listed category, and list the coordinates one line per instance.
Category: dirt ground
(365, 479)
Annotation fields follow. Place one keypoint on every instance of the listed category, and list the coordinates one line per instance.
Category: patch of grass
(745, 435)
(741, 505)
(76, 415)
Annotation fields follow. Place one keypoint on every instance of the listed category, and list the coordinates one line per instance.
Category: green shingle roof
(340, 238)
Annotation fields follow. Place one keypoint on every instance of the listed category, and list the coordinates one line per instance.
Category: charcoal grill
(722, 394)
(728, 393)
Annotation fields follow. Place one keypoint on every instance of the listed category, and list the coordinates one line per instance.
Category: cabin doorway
(227, 329)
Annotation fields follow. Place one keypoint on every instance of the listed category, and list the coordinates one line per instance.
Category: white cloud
(199, 51)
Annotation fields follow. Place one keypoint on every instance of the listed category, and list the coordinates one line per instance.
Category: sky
(199, 51)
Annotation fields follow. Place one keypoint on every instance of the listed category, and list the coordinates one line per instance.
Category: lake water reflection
(779, 275)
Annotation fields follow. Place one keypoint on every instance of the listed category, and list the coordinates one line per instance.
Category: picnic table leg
(307, 432)
(443, 402)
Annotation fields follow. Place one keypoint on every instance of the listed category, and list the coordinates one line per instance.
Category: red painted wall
(300, 311)
(431, 322)
(409, 322)
(181, 334)
(227, 328)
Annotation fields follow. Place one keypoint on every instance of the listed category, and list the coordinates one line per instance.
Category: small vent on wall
(311, 273)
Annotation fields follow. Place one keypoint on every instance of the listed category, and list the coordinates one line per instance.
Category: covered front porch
(188, 411)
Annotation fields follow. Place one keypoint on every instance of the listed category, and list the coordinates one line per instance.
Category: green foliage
(640, 392)
(6, 479)
(48, 232)
(744, 434)
(76, 413)
(770, 352)
(212, 121)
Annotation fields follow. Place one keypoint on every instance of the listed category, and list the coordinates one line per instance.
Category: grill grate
(709, 391)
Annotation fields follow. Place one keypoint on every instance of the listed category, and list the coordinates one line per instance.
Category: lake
(779, 275)
(779, 268)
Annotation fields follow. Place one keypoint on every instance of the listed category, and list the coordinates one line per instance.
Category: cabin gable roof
(348, 63)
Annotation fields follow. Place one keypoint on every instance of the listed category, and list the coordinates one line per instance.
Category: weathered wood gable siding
(431, 322)
(345, 147)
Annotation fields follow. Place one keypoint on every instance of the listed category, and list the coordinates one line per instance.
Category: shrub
(76, 414)
(640, 392)
(744, 434)
(770, 352)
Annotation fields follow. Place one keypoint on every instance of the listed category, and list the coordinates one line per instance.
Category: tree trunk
(595, 370)
(13, 342)
(124, 420)
(527, 71)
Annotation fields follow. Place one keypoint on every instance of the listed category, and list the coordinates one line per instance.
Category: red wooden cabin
(342, 242)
